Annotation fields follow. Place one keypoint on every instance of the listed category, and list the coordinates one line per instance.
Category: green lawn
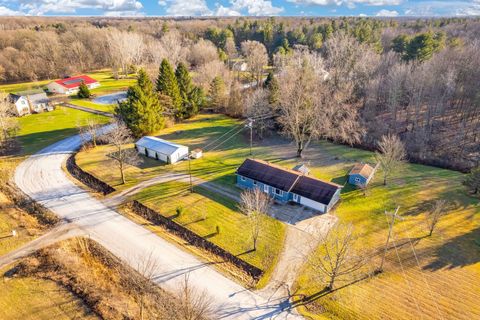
(40, 130)
(204, 210)
(449, 260)
(36, 299)
(92, 105)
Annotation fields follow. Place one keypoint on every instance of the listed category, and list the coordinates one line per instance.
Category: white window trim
(357, 179)
(295, 197)
(279, 193)
(242, 178)
(265, 188)
(255, 183)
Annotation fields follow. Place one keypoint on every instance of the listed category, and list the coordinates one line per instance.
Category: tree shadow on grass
(458, 252)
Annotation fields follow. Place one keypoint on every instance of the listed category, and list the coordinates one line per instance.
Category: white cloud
(443, 8)
(349, 3)
(162, 3)
(4, 11)
(256, 7)
(188, 8)
(362, 15)
(40, 7)
(226, 12)
(387, 13)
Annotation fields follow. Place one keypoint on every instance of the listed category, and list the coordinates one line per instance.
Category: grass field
(204, 210)
(40, 130)
(445, 282)
(36, 299)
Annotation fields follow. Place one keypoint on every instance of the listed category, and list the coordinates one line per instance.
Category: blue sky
(241, 7)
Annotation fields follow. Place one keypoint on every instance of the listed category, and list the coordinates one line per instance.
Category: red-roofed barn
(71, 85)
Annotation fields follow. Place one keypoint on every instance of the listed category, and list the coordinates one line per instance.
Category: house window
(242, 178)
(279, 192)
(265, 188)
(295, 197)
(254, 183)
(357, 179)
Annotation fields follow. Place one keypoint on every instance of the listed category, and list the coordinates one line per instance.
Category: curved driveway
(41, 176)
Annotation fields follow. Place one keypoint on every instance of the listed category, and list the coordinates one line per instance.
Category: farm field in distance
(451, 253)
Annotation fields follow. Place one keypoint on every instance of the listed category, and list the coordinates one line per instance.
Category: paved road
(42, 177)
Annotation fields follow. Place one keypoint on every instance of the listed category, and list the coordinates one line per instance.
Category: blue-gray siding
(357, 179)
(277, 194)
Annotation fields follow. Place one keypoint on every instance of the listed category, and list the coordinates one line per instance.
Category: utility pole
(390, 228)
(250, 125)
(190, 174)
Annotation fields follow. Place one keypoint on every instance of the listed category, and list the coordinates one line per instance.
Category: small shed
(160, 149)
(196, 154)
(303, 169)
(361, 174)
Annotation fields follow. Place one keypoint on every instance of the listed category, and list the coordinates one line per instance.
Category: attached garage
(161, 150)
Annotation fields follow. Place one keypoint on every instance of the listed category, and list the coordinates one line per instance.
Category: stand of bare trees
(390, 156)
(435, 214)
(194, 305)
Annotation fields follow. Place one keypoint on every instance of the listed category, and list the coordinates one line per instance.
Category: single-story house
(160, 149)
(72, 84)
(361, 174)
(28, 102)
(286, 185)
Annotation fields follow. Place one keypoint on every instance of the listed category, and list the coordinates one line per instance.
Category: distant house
(30, 102)
(160, 149)
(72, 84)
(196, 153)
(286, 185)
(361, 174)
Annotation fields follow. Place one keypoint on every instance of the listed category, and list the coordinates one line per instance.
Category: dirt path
(90, 110)
(59, 233)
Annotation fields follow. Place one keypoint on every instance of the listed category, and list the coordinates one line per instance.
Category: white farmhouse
(160, 149)
(30, 102)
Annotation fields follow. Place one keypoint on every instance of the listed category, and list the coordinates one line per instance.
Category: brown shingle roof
(362, 169)
(288, 180)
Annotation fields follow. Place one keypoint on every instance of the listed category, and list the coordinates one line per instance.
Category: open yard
(203, 211)
(33, 298)
(442, 284)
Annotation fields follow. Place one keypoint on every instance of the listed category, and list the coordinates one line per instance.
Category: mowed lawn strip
(32, 298)
(92, 105)
(203, 211)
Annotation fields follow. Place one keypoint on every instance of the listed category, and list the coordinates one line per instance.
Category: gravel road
(41, 176)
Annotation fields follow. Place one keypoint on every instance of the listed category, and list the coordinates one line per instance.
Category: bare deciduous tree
(202, 52)
(126, 48)
(255, 204)
(257, 107)
(194, 305)
(435, 214)
(391, 155)
(8, 123)
(256, 58)
(89, 131)
(147, 266)
(335, 257)
(119, 136)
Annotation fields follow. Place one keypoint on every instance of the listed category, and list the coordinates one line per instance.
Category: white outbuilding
(160, 149)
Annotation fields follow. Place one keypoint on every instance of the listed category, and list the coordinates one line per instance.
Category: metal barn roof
(159, 145)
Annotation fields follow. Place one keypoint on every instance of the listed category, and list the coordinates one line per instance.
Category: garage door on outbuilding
(160, 149)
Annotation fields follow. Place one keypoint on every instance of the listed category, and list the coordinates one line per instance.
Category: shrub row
(194, 239)
(87, 178)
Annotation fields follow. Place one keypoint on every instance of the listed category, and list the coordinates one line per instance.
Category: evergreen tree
(83, 91)
(167, 85)
(271, 84)
(193, 97)
(217, 93)
(141, 111)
